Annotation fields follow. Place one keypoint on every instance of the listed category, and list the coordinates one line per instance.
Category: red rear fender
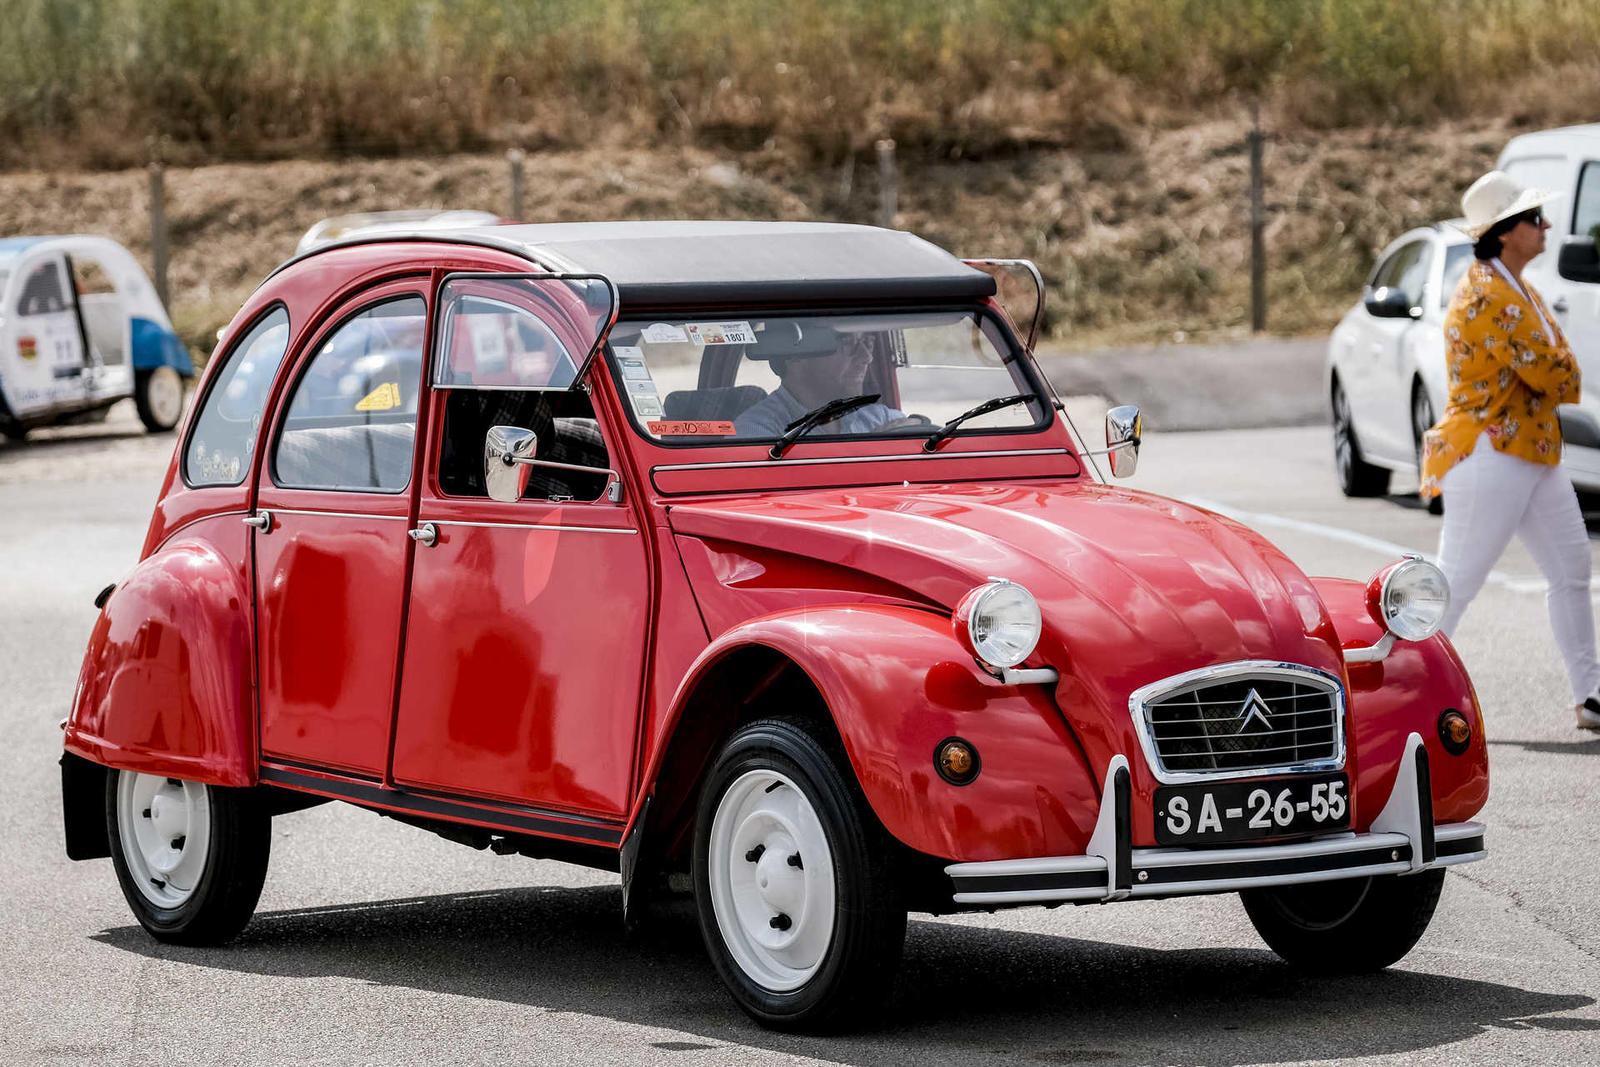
(166, 685)
(897, 684)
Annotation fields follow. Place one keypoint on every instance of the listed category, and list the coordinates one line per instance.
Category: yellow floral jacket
(1506, 376)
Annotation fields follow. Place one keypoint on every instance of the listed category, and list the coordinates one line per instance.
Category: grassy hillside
(1143, 242)
(103, 83)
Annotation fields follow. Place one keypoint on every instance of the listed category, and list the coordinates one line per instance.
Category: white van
(81, 327)
(1567, 275)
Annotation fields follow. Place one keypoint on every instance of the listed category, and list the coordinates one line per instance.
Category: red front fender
(1402, 693)
(898, 684)
(166, 683)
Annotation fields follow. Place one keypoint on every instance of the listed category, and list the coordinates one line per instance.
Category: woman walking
(1496, 453)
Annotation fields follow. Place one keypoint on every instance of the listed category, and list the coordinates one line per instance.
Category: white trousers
(1489, 496)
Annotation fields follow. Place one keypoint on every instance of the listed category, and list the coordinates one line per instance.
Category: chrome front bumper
(1403, 839)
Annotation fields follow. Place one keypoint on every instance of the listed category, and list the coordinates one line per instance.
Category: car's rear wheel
(158, 394)
(191, 858)
(1357, 477)
(1422, 421)
(794, 881)
(1345, 927)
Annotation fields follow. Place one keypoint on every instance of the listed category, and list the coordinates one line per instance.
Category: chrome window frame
(1240, 670)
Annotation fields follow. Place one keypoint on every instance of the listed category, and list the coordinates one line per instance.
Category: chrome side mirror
(506, 450)
(1124, 428)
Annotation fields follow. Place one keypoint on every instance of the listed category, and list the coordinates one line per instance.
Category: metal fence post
(515, 157)
(888, 180)
(1258, 242)
(158, 230)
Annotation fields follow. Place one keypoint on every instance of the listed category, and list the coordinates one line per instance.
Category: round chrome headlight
(1409, 598)
(1000, 622)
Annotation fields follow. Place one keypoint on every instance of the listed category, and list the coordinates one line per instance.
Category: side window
(1405, 269)
(1586, 213)
(565, 426)
(509, 348)
(1457, 258)
(352, 417)
(103, 317)
(224, 436)
(42, 291)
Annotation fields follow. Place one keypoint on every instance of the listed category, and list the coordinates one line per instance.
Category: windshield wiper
(984, 408)
(816, 417)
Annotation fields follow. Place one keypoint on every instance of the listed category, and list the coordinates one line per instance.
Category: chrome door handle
(261, 520)
(1559, 306)
(426, 534)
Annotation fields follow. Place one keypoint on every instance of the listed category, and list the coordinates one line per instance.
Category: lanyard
(1507, 275)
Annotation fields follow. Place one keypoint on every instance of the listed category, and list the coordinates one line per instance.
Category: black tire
(1351, 926)
(857, 945)
(152, 397)
(1422, 421)
(1357, 477)
(13, 431)
(230, 872)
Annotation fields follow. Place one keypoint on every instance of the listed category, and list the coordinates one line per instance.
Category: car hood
(1133, 587)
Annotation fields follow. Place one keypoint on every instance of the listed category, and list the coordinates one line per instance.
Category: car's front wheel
(191, 858)
(794, 881)
(158, 396)
(1348, 926)
(1357, 477)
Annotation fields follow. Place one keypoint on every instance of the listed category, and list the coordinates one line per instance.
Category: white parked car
(1386, 367)
(81, 327)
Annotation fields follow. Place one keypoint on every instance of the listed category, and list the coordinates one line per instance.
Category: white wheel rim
(164, 395)
(165, 831)
(776, 917)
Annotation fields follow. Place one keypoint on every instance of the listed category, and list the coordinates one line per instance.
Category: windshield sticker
(720, 333)
(385, 397)
(633, 369)
(686, 428)
(488, 342)
(646, 406)
(641, 387)
(663, 333)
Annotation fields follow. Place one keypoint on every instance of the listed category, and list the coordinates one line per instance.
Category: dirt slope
(1143, 243)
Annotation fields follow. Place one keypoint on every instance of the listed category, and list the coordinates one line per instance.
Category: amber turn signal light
(1455, 732)
(956, 761)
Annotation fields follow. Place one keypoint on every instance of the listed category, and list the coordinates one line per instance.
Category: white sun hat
(1496, 197)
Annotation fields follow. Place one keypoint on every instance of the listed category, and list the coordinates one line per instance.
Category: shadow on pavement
(963, 993)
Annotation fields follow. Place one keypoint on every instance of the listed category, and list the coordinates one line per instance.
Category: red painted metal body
(545, 655)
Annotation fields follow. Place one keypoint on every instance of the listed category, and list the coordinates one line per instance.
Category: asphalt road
(377, 943)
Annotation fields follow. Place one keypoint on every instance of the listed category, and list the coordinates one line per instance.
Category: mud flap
(83, 808)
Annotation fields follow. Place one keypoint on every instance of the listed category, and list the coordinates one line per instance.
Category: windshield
(735, 379)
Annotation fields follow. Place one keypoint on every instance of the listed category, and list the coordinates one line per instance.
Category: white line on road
(1350, 537)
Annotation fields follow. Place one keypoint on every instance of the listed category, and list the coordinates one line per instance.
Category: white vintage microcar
(81, 327)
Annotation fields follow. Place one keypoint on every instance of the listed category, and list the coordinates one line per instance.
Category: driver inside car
(810, 380)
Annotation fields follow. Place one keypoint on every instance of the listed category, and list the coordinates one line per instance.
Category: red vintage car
(757, 557)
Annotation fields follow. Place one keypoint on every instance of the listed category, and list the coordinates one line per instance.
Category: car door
(48, 369)
(332, 511)
(526, 631)
(1383, 419)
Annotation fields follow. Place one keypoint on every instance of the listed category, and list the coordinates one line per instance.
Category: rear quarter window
(224, 436)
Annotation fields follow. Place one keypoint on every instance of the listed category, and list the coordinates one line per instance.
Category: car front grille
(1241, 720)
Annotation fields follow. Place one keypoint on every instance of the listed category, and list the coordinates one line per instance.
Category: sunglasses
(1536, 217)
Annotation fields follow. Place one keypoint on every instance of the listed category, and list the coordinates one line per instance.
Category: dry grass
(87, 82)
(1137, 243)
